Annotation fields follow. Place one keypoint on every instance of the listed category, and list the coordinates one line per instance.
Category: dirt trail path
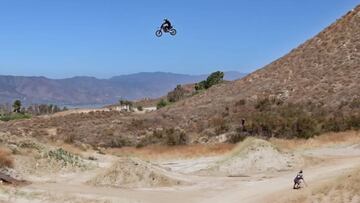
(257, 188)
(260, 191)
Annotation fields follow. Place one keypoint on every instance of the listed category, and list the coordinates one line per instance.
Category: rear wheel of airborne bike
(158, 33)
(172, 31)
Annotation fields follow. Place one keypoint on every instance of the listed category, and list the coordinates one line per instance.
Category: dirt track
(256, 188)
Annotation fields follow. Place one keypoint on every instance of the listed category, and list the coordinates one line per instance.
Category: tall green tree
(213, 79)
(17, 106)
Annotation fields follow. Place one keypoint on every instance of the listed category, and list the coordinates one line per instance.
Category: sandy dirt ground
(254, 187)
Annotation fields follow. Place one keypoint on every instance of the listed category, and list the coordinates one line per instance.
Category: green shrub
(355, 104)
(14, 116)
(271, 118)
(305, 127)
(162, 103)
(16, 106)
(275, 119)
(353, 122)
(31, 145)
(200, 86)
(65, 157)
(213, 79)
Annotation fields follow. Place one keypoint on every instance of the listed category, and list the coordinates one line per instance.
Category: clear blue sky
(103, 38)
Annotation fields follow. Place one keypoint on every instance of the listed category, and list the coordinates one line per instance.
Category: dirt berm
(253, 156)
(132, 172)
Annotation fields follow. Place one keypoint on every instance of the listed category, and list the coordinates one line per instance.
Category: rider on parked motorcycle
(166, 26)
(299, 177)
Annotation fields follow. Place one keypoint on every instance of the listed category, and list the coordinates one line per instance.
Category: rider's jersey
(299, 177)
(166, 24)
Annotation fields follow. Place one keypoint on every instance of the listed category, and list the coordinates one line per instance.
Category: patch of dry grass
(70, 148)
(327, 139)
(6, 160)
(168, 152)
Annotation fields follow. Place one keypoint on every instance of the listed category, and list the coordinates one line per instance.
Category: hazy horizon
(149, 72)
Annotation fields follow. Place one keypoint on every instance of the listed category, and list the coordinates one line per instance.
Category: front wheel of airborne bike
(173, 32)
(158, 33)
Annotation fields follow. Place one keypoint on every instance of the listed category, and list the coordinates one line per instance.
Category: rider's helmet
(165, 19)
(301, 171)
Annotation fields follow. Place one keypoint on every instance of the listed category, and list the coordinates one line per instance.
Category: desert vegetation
(213, 79)
(162, 103)
(17, 111)
(177, 94)
(14, 112)
(170, 137)
(14, 116)
(263, 118)
(273, 118)
(180, 93)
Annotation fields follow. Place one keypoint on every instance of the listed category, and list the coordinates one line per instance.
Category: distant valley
(94, 91)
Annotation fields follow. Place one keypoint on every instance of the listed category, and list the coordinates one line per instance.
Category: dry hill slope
(324, 69)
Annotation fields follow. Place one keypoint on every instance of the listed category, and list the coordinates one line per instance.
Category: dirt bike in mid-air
(170, 30)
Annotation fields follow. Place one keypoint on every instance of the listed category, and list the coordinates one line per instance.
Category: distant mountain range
(91, 90)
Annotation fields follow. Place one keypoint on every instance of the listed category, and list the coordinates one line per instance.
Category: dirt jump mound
(253, 156)
(131, 172)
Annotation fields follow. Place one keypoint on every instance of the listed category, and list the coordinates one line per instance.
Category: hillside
(314, 88)
(90, 90)
(325, 70)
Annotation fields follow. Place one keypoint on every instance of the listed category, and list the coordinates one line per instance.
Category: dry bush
(70, 138)
(272, 118)
(120, 142)
(169, 136)
(241, 102)
(73, 149)
(6, 160)
(220, 125)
